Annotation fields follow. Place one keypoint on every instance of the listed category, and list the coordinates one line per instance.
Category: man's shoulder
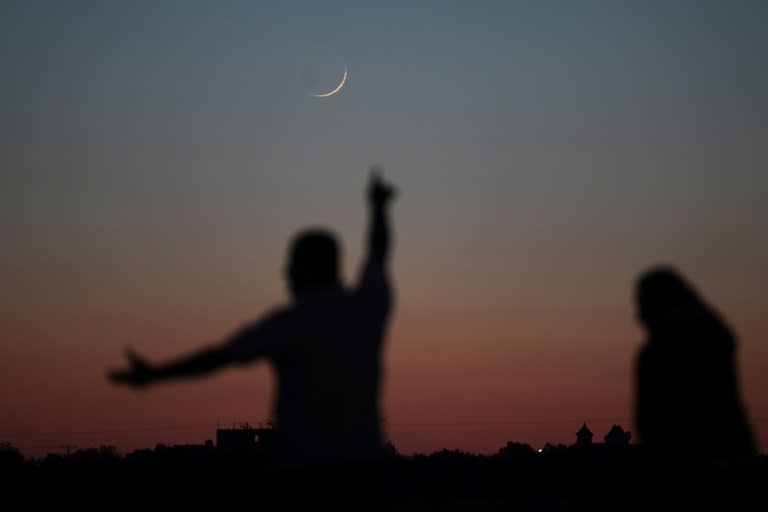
(271, 319)
(277, 315)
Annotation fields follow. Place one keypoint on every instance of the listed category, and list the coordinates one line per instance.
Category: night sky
(156, 158)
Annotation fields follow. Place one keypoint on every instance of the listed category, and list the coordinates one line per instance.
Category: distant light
(541, 450)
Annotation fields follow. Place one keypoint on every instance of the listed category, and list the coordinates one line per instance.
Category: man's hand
(379, 193)
(139, 374)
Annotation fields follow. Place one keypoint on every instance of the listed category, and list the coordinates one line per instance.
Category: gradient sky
(156, 157)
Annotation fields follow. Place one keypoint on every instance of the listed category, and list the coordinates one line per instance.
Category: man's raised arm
(379, 196)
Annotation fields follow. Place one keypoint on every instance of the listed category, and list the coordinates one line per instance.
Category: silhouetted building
(584, 436)
(244, 437)
(617, 436)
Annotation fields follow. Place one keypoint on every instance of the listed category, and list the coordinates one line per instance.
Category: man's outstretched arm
(380, 195)
(141, 373)
(246, 345)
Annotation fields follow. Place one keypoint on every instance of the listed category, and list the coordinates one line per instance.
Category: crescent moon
(334, 91)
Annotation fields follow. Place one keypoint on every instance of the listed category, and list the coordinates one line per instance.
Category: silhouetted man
(688, 410)
(326, 349)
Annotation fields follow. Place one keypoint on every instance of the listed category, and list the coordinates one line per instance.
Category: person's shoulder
(646, 355)
(277, 315)
(270, 319)
(258, 337)
(374, 275)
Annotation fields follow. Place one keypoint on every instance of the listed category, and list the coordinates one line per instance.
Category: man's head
(660, 293)
(313, 261)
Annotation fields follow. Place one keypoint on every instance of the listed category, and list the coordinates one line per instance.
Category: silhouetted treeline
(597, 478)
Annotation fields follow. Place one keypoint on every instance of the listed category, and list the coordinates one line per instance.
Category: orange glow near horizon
(457, 378)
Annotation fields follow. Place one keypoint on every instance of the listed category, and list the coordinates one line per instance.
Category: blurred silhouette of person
(692, 425)
(326, 348)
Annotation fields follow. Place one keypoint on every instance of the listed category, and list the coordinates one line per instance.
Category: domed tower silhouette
(617, 436)
(584, 436)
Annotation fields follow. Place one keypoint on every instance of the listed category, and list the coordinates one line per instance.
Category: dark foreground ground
(196, 478)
